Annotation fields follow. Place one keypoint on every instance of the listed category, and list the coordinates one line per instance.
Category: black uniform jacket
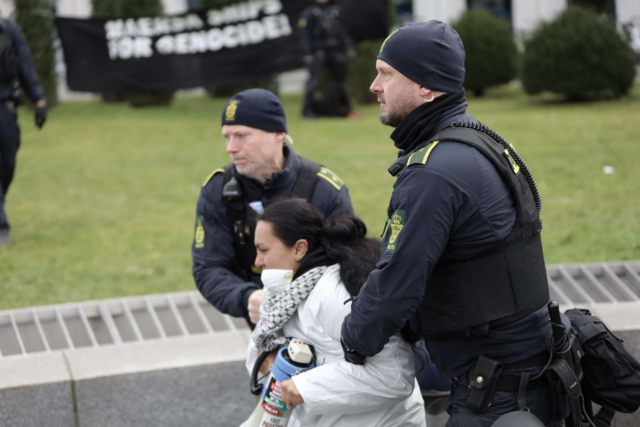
(27, 72)
(214, 267)
(454, 206)
(322, 28)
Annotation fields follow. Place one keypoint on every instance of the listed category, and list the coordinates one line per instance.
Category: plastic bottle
(271, 410)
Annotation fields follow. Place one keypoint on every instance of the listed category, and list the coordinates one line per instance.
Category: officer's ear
(280, 137)
(425, 93)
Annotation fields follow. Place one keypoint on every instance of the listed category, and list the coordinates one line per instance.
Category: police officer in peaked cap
(16, 71)
(264, 169)
(462, 264)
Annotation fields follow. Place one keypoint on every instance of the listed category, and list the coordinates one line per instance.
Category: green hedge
(35, 19)
(491, 51)
(132, 9)
(580, 56)
(362, 71)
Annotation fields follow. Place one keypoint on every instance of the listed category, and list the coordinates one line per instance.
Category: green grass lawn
(104, 198)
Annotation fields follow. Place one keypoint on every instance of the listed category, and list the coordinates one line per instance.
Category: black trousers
(336, 63)
(539, 402)
(9, 145)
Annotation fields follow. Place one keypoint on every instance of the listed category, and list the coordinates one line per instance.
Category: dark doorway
(501, 8)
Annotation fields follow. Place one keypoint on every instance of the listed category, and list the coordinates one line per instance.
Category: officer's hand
(308, 59)
(351, 355)
(351, 53)
(255, 300)
(268, 362)
(290, 394)
(41, 113)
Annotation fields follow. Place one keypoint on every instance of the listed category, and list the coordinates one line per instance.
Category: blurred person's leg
(434, 388)
(315, 74)
(9, 145)
(337, 61)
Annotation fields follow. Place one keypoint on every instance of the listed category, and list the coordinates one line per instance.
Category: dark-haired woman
(309, 270)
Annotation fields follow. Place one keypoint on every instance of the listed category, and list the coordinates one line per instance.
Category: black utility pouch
(482, 384)
(565, 387)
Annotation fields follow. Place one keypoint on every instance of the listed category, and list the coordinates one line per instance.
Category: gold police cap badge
(232, 108)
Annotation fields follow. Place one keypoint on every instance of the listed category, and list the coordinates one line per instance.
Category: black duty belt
(510, 381)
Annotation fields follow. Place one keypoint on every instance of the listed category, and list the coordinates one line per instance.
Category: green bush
(132, 9)
(580, 56)
(362, 71)
(491, 51)
(35, 19)
(269, 83)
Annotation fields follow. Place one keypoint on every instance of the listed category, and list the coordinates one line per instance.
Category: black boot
(5, 236)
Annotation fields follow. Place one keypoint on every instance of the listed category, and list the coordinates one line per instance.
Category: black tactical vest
(9, 61)
(243, 219)
(508, 280)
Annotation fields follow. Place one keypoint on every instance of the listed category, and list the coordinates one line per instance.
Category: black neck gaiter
(421, 124)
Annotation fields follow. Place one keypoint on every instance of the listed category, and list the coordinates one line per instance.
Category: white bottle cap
(300, 352)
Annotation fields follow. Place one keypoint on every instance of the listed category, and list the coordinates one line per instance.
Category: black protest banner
(208, 48)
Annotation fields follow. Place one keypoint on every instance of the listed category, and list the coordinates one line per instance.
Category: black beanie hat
(429, 53)
(256, 108)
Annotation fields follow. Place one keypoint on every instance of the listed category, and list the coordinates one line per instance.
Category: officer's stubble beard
(393, 118)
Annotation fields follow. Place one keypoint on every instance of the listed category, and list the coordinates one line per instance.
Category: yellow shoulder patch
(302, 23)
(422, 155)
(214, 173)
(331, 177)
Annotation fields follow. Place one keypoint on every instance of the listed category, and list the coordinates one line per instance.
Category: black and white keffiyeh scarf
(277, 309)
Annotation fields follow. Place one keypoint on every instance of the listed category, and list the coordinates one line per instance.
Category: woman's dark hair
(344, 239)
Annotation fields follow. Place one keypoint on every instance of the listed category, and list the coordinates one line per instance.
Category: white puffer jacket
(336, 393)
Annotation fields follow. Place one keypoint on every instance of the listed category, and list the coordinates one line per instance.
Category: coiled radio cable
(500, 140)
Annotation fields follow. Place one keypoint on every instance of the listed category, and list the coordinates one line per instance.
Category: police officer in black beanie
(264, 169)
(462, 264)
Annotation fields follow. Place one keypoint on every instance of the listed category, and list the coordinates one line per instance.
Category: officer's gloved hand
(351, 53)
(41, 114)
(351, 355)
(308, 59)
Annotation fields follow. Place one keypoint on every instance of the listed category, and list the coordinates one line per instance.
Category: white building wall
(172, 7)
(442, 10)
(528, 14)
(6, 7)
(82, 8)
(628, 10)
(73, 8)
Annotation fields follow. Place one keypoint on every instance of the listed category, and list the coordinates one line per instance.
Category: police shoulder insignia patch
(210, 177)
(199, 235)
(397, 222)
(331, 177)
(422, 155)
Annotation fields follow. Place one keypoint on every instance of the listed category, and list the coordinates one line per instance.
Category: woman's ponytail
(346, 243)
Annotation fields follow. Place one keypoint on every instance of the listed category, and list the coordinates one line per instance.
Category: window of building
(501, 8)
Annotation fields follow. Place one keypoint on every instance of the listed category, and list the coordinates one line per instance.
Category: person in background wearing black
(325, 44)
(16, 71)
